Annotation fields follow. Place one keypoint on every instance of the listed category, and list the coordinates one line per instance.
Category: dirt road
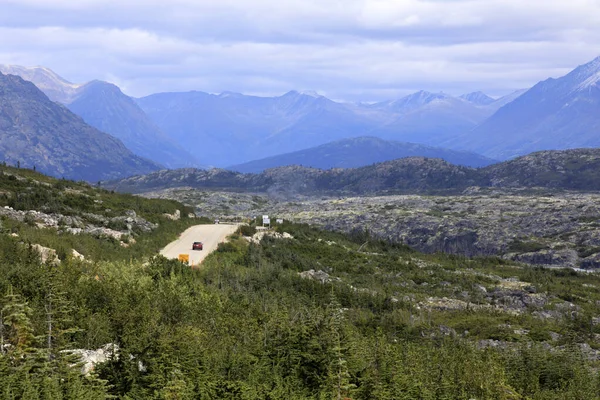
(210, 235)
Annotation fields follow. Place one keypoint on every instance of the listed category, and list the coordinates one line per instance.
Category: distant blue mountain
(478, 98)
(232, 128)
(555, 114)
(37, 132)
(359, 152)
(106, 108)
(103, 106)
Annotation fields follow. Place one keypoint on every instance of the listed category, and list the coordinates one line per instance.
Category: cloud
(348, 49)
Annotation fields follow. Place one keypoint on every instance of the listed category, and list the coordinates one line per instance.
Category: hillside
(54, 86)
(37, 132)
(555, 114)
(560, 170)
(293, 313)
(359, 152)
(576, 169)
(229, 128)
(103, 106)
(98, 224)
(403, 175)
(429, 118)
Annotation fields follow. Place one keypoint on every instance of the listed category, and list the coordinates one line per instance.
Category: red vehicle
(197, 246)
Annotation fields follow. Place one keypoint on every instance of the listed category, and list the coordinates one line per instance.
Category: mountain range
(231, 129)
(36, 132)
(105, 107)
(554, 114)
(575, 169)
(361, 151)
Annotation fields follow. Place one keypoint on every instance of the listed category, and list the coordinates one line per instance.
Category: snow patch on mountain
(478, 98)
(47, 73)
(591, 81)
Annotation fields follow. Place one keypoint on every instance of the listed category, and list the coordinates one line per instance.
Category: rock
(258, 236)
(563, 258)
(590, 262)
(480, 288)
(76, 255)
(555, 336)
(90, 358)
(319, 275)
(174, 217)
(590, 353)
(47, 255)
(491, 343)
(105, 232)
(530, 289)
(447, 331)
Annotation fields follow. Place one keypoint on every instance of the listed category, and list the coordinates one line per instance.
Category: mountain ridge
(37, 132)
(554, 114)
(360, 151)
(577, 169)
(105, 107)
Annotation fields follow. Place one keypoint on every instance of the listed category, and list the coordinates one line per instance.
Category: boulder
(47, 255)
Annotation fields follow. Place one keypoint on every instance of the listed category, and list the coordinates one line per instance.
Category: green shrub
(247, 230)
(519, 246)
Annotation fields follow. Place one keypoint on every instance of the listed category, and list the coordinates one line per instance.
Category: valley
(536, 227)
(273, 313)
(424, 245)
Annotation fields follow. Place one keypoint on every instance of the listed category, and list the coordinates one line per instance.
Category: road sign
(184, 258)
(266, 220)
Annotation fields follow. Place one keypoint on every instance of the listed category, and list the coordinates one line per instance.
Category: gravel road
(210, 235)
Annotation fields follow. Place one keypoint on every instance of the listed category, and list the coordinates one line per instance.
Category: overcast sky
(355, 50)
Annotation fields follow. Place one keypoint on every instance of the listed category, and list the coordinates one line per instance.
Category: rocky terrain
(61, 217)
(575, 169)
(216, 204)
(561, 230)
(119, 228)
(539, 228)
(411, 174)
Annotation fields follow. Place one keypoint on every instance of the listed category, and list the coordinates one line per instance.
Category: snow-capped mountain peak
(584, 76)
(55, 87)
(478, 98)
(593, 80)
(310, 93)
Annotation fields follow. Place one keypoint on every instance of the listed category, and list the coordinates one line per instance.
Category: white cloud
(353, 49)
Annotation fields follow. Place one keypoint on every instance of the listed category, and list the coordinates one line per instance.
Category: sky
(348, 50)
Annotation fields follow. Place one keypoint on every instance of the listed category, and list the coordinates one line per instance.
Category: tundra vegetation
(302, 313)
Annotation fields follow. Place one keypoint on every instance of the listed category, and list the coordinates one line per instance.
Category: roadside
(209, 235)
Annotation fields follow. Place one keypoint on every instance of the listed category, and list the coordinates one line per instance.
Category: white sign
(266, 220)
